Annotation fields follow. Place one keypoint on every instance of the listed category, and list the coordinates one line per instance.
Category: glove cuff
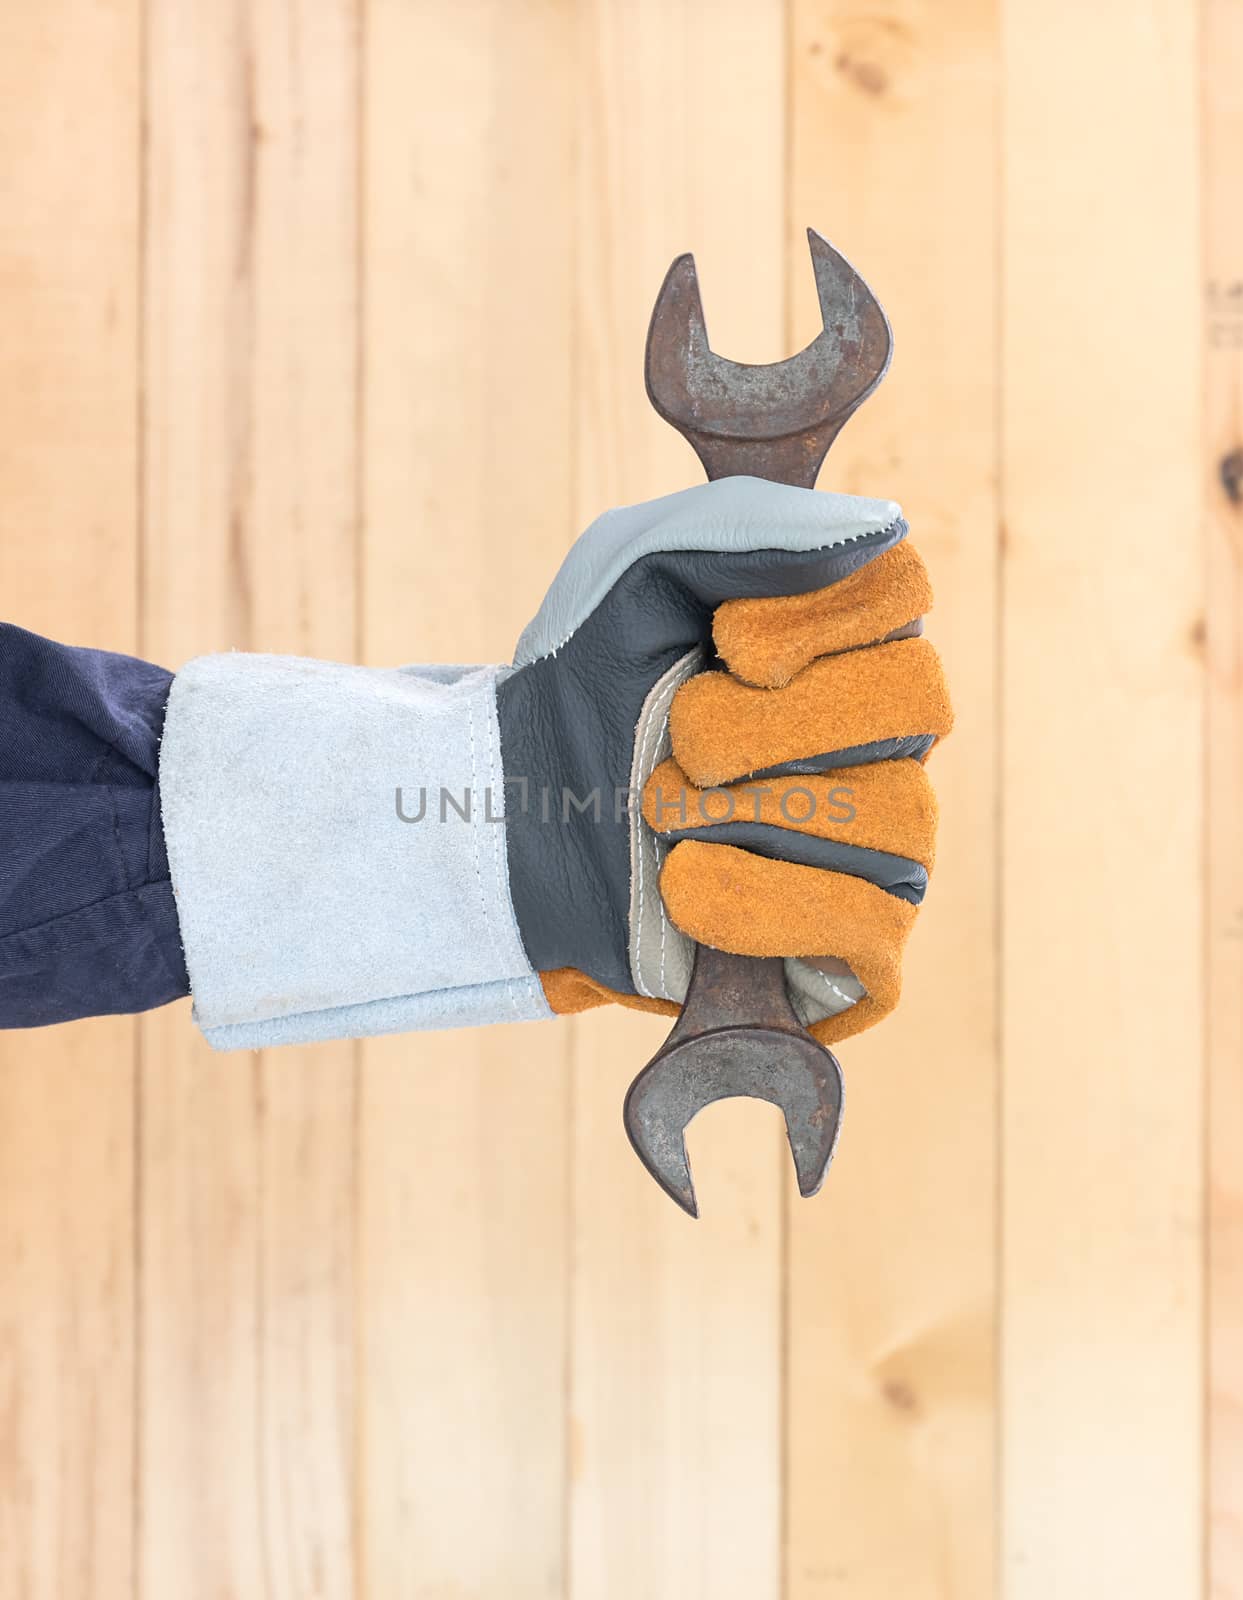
(337, 850)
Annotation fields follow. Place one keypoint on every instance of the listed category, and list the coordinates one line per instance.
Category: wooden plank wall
(1102, 1176)
(323, 333)
(463, 1139)
(890, 1455)
(246, 1409)
(70, 283)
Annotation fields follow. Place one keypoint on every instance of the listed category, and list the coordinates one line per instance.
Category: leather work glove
(703, 737)
(719, 652)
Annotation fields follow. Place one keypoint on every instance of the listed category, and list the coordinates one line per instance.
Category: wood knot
(900, 1395)
(869, 76)
(1230, 471)
(871, 53)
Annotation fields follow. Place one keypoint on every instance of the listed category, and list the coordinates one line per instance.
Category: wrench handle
(748, 980)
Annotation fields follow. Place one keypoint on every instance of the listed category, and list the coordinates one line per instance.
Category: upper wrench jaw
(775, 421)
(850, 311)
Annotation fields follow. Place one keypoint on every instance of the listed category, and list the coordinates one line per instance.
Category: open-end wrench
(738, 1034)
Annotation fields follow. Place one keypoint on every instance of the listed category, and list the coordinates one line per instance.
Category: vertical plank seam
(259, 1286)
(137, 1194)
(245, 579)
(361, 19)
(137, 1127)
(1203, 1220)
(999, 806)
(358, 1326)
(1199, 68)
(357, 1454)
(567, 1313)
(573, 1040)
(784, 1319)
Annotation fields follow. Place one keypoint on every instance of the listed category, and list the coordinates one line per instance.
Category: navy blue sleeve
(87, 921)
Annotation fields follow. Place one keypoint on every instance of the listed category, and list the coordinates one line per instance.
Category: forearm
(87, 920)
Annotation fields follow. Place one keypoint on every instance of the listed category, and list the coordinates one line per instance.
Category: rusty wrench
(738, 1034)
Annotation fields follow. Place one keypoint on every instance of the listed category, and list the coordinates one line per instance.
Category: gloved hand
(689, 644)
(717, 652)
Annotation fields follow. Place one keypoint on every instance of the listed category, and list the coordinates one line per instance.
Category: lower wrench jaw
(811, 1167)
(680, 1191)
(732, 1062)
(659, 1145)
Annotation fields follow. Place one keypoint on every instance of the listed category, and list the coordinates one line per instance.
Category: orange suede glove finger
(878, 822)
(887, 806)
(723, 730)
(767, 641)
(738, 901)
